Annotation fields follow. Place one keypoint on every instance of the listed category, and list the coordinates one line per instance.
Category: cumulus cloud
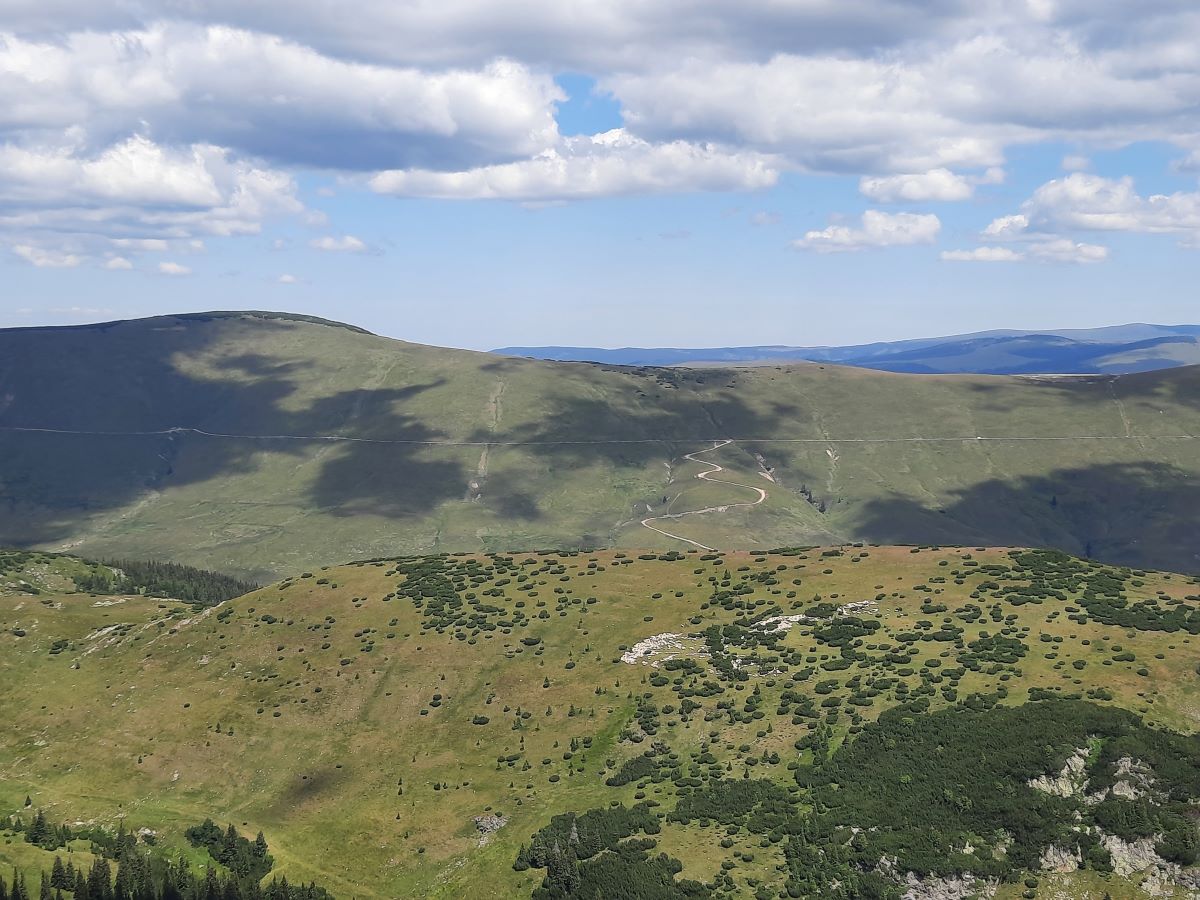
(1082, 202)
(1189, 163)
(135, 195)
(288, 279)
(347, 243)
(135, 171)
(228, 100)
(118, 263)
(982, 254)
(877, 229)
(1049, 250)
(1007, 227)
(954, 100)
(936, 184)
(876, 87)
(607, 164)
(173, 268)
(1093, 203)
(271, 97)
(1064, 250)
(585, 35)
(46, 259)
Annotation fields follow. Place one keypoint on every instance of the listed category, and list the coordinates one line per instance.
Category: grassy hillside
(37, 573)
(364, 716)
(307, 443)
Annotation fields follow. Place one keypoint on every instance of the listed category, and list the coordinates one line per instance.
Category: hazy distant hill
(260, 444)
(1115, 350)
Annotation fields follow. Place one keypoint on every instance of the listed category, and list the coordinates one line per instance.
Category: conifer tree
(58, 874)
(99, 881)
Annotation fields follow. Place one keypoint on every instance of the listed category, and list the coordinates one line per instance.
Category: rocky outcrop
(488, 825)
(1129, 857)
(956, 887)
(1134, 779)
(1061, 860)
(649, 650)
(1070, 782)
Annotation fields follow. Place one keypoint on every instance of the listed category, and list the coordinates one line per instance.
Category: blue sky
(816, 179)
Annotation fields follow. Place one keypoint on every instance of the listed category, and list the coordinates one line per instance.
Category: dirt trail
(495, 412)
(706, 476)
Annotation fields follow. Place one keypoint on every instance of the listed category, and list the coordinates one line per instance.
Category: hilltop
(435, 726)
(260, 444)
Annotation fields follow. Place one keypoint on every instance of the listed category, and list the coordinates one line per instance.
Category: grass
(269, 507)
(353, 745)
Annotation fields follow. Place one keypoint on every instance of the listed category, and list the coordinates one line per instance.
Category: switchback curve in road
(713, 469)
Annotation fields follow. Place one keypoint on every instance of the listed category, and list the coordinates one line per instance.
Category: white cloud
(136, 195)
(1189, 164)
(1048, 250)
(288, 279)
(1090, 203)
(983, 254)
(953, 99)
(1093, 203)
(1064, 250)
(135, 171)
(269, 96)
(1006, 227)
(456, 99)
(584, 35)
(823, 113)
(173, 268)
(877, 229)
(347, 243)
(118, 263)
(46, 259)
(607, 164)
(147, 245)
(936, 184)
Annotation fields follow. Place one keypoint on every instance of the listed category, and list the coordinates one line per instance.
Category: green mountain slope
(805, 721)
(261, 443)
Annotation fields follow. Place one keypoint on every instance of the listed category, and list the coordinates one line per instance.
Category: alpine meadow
(599, 450)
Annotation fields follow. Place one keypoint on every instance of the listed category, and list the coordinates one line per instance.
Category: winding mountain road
(706, 476)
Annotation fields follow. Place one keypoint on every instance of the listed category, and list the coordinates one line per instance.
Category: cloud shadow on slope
(1138, 514)
(122, 379)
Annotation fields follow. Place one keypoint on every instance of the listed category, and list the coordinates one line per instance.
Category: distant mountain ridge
(1113, 350)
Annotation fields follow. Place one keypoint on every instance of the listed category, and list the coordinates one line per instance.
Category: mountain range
(260, 443)
(1117, 349)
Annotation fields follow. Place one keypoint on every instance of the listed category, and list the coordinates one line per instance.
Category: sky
(475, 173)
